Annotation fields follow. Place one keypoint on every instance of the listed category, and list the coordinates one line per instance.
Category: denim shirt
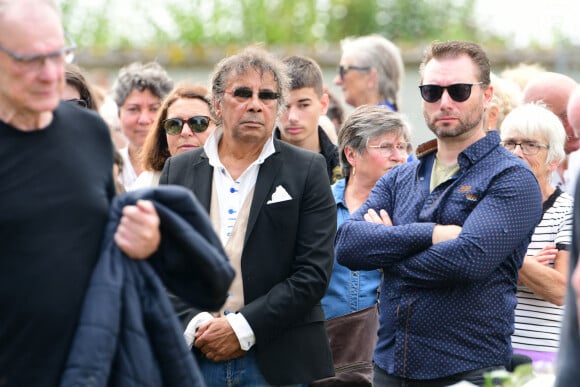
(446, 308)
(348, 291)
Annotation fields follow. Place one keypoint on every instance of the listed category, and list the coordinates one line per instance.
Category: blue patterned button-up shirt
(446, 308)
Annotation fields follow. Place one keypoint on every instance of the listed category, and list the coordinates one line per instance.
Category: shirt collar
(476, 151)
(211, 148)
(338, 189)
(391, 106)
(472, 154)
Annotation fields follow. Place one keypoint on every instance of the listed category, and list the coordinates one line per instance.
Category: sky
(530, 21)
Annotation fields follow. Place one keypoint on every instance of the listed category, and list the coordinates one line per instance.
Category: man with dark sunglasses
(271, 204)
(449, 232)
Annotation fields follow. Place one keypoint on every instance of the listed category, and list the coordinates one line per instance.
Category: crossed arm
(544, 280)
(441, 233)
(430, 254)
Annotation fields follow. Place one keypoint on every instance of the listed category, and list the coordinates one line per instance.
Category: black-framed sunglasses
(77, 101)
(197, 124)
(245, 93)
(342, 70)
(459, 92)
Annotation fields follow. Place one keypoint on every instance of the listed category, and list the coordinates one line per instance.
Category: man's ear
(487, 95)
(217, 108)
(324, 102)
(492, 114)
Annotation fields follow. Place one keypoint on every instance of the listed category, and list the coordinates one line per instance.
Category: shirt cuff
(194, 324)
(242, 329)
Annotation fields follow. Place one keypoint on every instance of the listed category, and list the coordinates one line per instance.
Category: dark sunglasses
(342, 70)
(459, 92)
(197, 124)
(76, 101)
(245, 93)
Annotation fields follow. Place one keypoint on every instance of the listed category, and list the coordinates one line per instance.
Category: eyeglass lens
(34, 62)
(245, 93)
(197, 124)
(527, 147)
(458, 92)
(386, 149)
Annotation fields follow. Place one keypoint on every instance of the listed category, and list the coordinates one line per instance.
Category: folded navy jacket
(128, 333)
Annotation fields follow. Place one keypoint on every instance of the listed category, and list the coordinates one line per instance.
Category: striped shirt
(538, 322)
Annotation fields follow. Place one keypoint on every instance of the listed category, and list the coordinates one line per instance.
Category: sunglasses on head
(245, 93)
(197, 124)
(459, 92)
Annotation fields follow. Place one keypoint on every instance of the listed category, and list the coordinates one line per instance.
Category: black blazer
(286, 260)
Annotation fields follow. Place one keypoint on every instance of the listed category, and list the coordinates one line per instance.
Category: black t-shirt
(56, 187)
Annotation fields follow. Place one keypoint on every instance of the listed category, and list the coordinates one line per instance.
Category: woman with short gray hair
(138, 92)
(372, 141)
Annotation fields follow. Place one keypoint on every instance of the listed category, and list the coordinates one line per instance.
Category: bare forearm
(546, 282)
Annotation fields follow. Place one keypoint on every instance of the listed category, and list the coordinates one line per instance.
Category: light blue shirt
(348, 291)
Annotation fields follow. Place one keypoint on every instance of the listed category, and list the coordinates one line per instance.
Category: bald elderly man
(554, 90)
(573, 115)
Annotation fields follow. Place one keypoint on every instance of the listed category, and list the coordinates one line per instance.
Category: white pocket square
(280, 195)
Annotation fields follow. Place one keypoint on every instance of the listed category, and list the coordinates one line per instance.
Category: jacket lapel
(201, 180)
(268, 172)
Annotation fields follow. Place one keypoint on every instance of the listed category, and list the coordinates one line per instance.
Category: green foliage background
(273, 22)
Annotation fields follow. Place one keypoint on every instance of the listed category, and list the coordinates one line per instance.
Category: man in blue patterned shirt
(449, 231)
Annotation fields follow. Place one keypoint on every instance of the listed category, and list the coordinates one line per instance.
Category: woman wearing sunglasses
(183, 123)
(371, 71)
(536, 135)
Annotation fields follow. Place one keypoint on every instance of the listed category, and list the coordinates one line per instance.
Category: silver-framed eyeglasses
(35, 62)
(529, 148)
(386, 149)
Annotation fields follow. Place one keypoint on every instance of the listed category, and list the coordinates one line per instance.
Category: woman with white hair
(536, 135)
(371, 71)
